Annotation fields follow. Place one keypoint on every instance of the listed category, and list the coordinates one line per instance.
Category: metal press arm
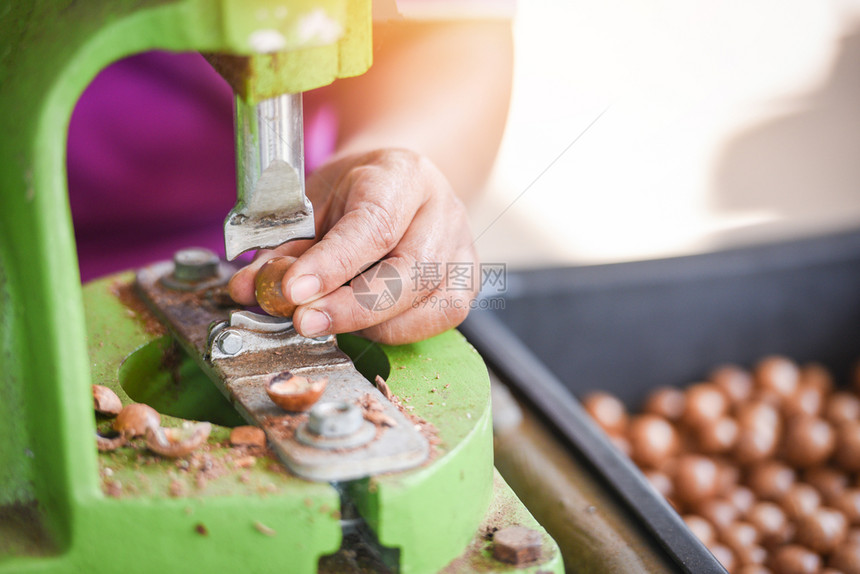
(271, 206)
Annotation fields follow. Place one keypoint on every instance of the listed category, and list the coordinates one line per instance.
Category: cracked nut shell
(105, 401)
(177, 442)
(295, 393)
(134, 420)
(107, 444)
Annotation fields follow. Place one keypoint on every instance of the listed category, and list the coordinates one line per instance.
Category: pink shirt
(151, 160)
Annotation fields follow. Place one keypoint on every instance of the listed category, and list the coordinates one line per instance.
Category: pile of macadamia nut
(764, 467)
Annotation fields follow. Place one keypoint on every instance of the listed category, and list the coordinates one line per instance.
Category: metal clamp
(335, 424)
(241, 351)
(249, 332)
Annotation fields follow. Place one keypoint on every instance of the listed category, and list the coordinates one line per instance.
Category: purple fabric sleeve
(151, 161)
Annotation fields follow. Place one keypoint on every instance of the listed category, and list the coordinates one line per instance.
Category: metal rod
(266, 132)
(271, 207)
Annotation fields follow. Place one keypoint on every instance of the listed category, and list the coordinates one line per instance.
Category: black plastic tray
(627, 328)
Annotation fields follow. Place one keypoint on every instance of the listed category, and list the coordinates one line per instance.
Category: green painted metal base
(224, 509)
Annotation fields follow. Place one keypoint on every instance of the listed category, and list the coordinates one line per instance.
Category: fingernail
(315, 323)
(304, 288)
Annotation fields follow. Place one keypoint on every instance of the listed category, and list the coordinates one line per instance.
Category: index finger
(378, 210)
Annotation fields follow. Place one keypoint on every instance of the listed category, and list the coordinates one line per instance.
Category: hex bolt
(229, 342)
(194, 264)
(517, 545)
(334, 419)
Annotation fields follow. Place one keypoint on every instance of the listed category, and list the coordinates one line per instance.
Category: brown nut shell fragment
(247, 436)
(134, 420)
(105, 401)
(268, 288)
(177, 442)
(107, 444)
(295, 393)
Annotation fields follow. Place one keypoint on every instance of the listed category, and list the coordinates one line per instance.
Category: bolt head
(334, 419)
(517, 545)
(194, 264)
(229, 342)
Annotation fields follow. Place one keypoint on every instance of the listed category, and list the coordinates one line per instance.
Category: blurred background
(650, 129)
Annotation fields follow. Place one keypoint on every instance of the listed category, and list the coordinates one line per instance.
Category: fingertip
(310, 322)
(302, 289)
(241, 286)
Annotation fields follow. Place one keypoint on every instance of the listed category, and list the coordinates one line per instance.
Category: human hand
(393, 206)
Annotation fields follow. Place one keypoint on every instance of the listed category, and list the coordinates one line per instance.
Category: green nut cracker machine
(393, 476)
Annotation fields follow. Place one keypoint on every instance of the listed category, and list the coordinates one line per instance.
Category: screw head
(229, 342)
(194, 264)
(517, 545)
(333, 419)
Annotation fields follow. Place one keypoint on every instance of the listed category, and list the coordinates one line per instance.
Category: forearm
(439, 89)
